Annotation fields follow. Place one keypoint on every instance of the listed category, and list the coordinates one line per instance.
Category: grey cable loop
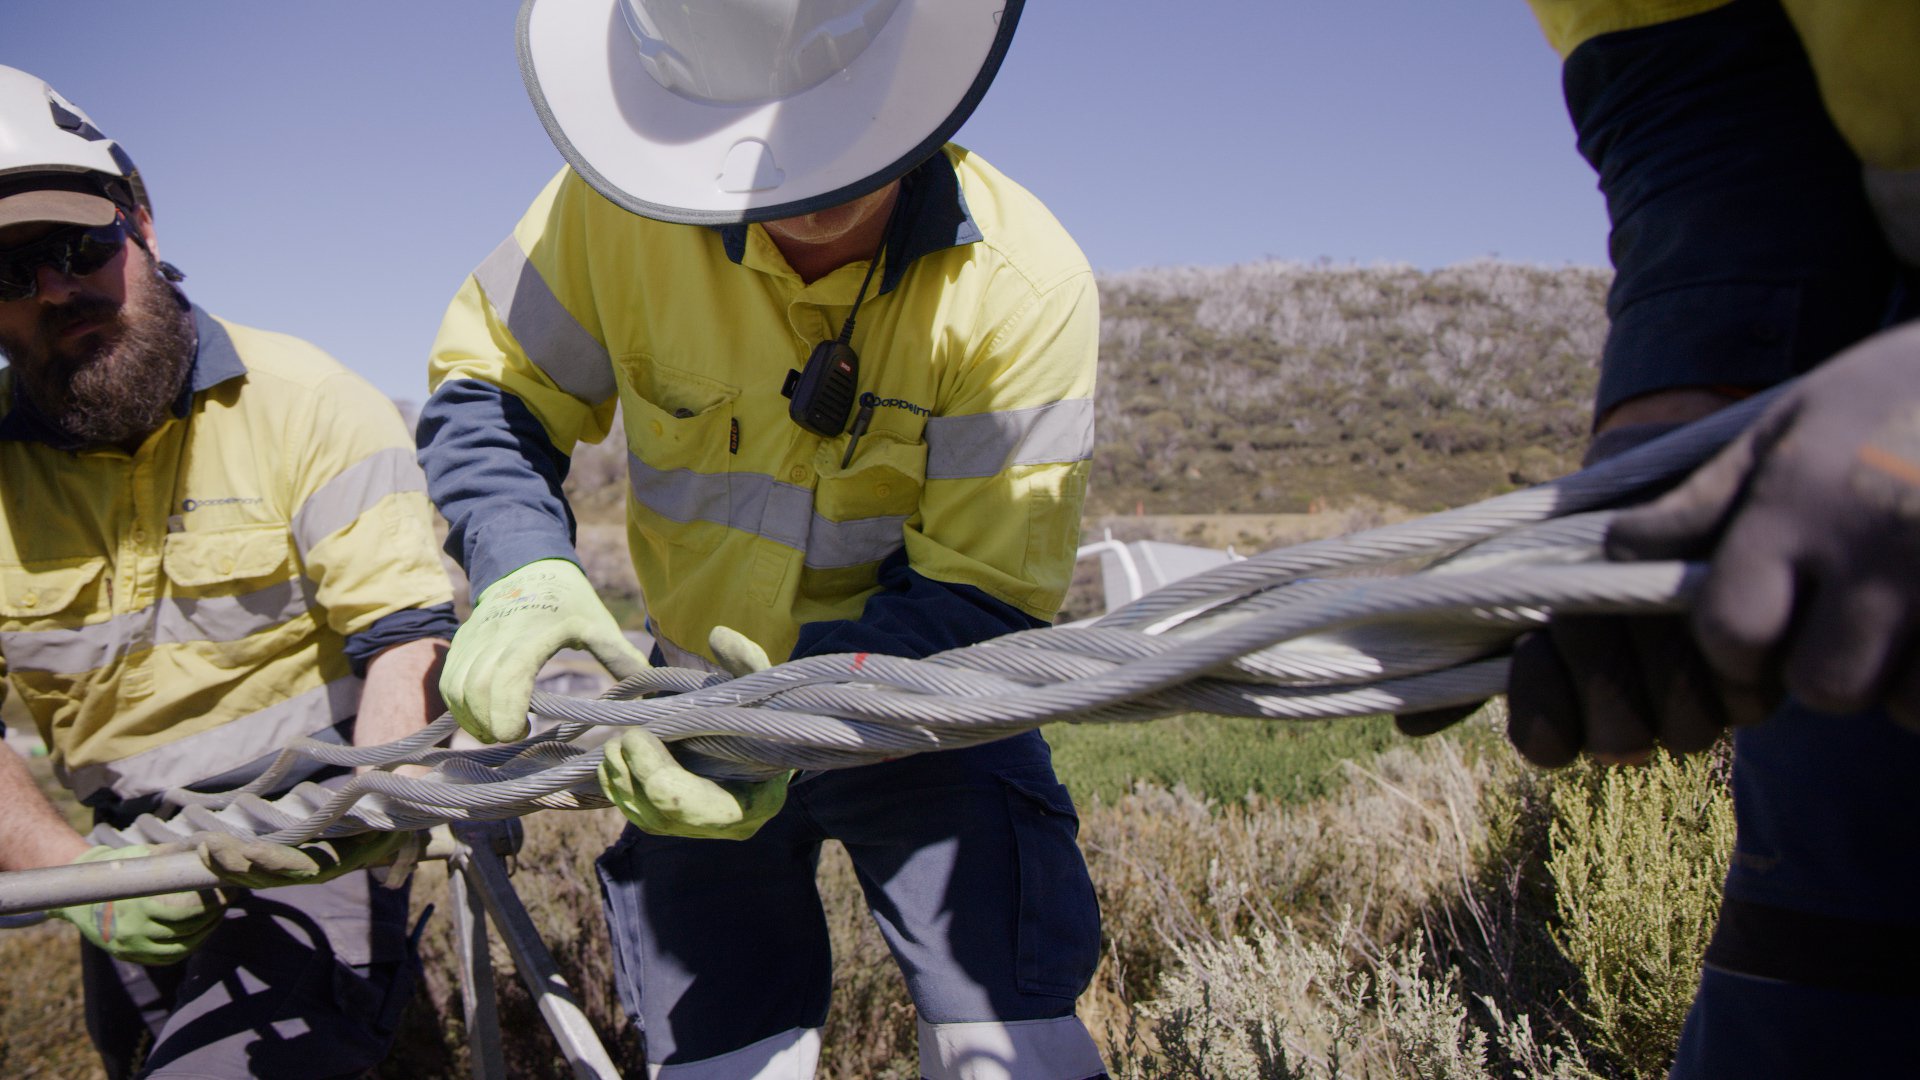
(1270, 637)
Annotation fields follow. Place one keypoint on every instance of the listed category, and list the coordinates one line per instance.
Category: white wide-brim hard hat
(712, 112)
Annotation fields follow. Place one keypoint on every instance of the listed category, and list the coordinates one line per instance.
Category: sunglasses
(75, 251)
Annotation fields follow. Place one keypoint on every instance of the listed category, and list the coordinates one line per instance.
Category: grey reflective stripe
(1895, 195)
(675, 656)
(555, 341)
(255, 737)
(170, 622)
(835, 544)
(758, 504)
(353, 491)
(988, 444)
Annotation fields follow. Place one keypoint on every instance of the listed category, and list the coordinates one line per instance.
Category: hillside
(1276, 387)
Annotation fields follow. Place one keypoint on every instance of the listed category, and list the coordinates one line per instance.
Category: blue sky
(333, 170)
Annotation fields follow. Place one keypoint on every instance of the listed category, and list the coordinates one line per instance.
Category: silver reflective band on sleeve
(353, 491)
(793, 1054)
(255, 737)
(675, 656)
(988, 444)
(170, 622)
(758, 504)
(1057, 1049)
(555, 341)
(1895, 195)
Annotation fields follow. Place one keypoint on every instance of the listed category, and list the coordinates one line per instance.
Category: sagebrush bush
(1637, 862)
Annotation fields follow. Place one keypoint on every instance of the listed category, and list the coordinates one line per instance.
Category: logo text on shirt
(871, 400)
(188, 506)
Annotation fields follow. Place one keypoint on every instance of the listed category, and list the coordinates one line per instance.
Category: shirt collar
(215, 361)
(934, 218)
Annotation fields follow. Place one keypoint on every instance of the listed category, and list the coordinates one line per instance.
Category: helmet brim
(665, 156)
(64, 207)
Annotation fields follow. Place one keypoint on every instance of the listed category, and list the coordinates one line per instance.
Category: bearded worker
(854, 366)
(213, 540)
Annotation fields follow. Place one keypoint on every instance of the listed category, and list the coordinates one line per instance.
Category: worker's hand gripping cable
(640, 776)
(519, 622)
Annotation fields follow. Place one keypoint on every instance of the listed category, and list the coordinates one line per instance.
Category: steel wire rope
(1268, 637)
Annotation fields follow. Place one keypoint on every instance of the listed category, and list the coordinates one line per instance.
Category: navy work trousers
(968, 862)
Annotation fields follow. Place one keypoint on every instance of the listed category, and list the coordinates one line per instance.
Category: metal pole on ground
(485, 875)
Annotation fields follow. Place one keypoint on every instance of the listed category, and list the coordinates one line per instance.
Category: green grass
(1222, 758)
(1226, 758)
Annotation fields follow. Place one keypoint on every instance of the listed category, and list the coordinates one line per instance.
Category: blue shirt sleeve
(1744, 249)
(496, 478)
(914, 616)
(397, 629)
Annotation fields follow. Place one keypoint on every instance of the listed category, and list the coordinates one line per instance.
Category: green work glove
(518, 624)
(736, 652)
(257, 864)
(151, 930)
(640, 776)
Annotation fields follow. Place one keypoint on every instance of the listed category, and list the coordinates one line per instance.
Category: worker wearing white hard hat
(853, 365)
(213, 542)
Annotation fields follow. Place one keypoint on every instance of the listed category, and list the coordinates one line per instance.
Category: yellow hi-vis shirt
(177, 613)
(978, 366)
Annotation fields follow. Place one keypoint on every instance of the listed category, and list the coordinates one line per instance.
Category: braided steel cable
(1270, 637)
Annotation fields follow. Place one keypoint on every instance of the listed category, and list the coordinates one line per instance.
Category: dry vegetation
(1440, 911)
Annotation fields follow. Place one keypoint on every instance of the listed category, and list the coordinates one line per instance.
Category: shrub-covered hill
(1276, 387)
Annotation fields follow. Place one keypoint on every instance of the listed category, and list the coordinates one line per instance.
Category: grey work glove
(1810, 526)
(1812, 522)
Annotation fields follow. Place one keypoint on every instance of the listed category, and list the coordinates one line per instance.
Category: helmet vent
(69, 120)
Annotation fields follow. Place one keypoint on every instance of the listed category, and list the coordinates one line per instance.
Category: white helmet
(54, 164)
(711, 112)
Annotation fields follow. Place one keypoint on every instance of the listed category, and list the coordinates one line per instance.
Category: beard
(118, 384)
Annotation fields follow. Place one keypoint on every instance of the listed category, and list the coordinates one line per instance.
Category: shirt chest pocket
(863, 505)
(44, 609)
(681, 438)
(234, 596)
(61, 591)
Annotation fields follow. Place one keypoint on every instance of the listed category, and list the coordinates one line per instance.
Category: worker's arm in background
(992, 548)
(32, 832)
(402, 693)
(364, 530)
(1745, 253)
(519, 375)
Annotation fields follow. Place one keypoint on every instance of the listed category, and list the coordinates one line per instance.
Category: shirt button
(882, 490)
(226, 566)
(139, 536)
(798, 474)
(30, 600)
(654, 427)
